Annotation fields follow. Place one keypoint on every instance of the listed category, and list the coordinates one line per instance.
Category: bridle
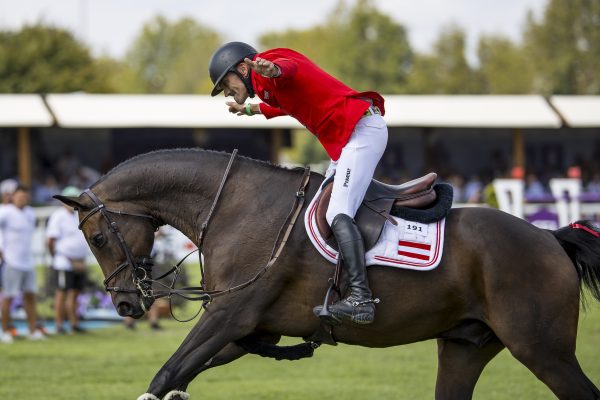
(142, 266)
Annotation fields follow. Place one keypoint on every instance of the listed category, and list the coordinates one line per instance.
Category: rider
(348, 124)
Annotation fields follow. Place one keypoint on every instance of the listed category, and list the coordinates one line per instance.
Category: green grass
(114, 363)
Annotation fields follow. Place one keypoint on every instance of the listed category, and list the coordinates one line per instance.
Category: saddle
(377, 205)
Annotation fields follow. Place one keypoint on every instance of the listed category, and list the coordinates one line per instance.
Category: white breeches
(356, 166)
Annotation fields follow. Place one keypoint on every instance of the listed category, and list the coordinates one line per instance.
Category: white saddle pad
(409, 245)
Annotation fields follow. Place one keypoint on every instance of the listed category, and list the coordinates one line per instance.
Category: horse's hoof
(177, 395)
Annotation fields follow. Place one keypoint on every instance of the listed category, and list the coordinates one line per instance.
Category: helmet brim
(218, 88)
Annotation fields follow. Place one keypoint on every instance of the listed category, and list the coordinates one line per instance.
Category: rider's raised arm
(287, 68)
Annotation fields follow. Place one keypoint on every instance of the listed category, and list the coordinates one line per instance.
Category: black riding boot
(358, 306)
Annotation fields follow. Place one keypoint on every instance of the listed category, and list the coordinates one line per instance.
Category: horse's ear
(72, 202)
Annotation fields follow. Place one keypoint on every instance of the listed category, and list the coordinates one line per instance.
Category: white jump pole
(566, 192)
(509, 193)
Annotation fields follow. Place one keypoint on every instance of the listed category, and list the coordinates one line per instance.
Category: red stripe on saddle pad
(413, 255)
(421, 246)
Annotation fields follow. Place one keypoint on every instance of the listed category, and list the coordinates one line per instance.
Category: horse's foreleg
(229, 353)
(209, 343)
(226, 355)
(460, 365)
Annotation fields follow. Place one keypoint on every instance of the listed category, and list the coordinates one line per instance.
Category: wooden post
(276, 144)
(24, 156)
(518, 148)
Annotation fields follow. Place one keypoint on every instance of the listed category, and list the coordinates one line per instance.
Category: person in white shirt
(17, 223)
(7, 188)
(69, 249)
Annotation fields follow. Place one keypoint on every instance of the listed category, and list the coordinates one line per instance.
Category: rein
(210, 213)
(142, 266)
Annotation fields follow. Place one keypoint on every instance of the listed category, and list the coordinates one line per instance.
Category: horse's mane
(171, 153)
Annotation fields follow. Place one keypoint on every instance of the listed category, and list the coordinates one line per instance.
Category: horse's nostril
(124, 309)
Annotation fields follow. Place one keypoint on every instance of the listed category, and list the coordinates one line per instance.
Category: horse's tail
(581, 241)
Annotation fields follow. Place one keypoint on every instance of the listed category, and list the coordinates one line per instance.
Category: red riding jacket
(324, 105)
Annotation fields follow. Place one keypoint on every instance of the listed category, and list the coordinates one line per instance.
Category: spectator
(85, 177)
(458, 184)
(473, 190)
(67, 166)
(17, 223)
(68, 249)
(593, 185)
(7, 188)
(153, 316)
(574, 172)
(42, 193)
(489, 195)
(534, 189)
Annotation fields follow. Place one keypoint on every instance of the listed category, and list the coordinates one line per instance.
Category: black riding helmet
(225, 60)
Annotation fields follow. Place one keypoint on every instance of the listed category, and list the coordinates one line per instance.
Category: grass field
(114, 363)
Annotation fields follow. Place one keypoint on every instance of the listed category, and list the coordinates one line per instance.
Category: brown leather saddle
(377, 204)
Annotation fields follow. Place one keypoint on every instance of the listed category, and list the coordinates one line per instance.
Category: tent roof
(471, 111)
(578, 111)
(17, 110)
(94, 111)
(174, 111)
(80, 110)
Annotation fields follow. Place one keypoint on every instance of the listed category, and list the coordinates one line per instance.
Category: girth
(376, 206)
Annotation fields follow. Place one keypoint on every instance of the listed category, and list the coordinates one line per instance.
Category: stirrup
(328, 317)
(325, 315)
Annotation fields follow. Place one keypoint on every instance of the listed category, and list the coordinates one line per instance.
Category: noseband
(142, 266)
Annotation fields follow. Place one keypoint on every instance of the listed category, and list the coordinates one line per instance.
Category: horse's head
(120, 237)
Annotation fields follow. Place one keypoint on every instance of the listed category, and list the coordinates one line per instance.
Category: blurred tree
(372, 50)
(446, 71)
(45, 59)
(117, 75)
(171, 57)
(504, 67)
(306, 150)
(315, 43)
(361, 46)
(564, 47)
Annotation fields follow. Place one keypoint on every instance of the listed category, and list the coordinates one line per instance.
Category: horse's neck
(249, 194)
(184, 199)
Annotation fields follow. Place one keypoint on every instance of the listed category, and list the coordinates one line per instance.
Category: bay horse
(502, 282)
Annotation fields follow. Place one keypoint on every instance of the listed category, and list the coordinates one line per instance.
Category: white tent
(471, 112)
(23, 110)
(578, 111)
(197, 111)
(156, 111)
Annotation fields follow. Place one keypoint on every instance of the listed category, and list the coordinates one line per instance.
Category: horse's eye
(98, 240)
